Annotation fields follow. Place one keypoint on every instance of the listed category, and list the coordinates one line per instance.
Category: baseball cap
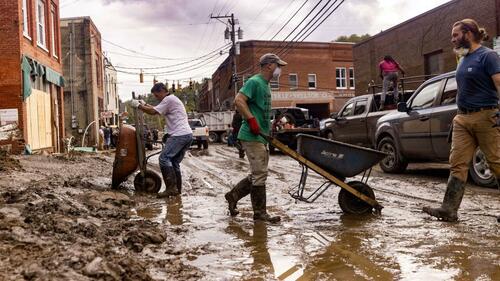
(158, 87)
(272, 58)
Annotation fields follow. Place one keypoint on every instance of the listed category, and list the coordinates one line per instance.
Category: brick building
(111, 100)
(84, 72)
(205, 97)
(422, 44)
(30, 75)
(319, 76)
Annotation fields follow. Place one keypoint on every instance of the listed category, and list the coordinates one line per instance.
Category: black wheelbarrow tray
(335, 161)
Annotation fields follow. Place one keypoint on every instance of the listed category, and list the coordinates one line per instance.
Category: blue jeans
(174, 151)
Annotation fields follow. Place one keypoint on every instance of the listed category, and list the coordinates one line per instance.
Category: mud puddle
(317, 241)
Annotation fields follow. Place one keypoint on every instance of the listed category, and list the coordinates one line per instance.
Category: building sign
(8, 116)
(310, 95)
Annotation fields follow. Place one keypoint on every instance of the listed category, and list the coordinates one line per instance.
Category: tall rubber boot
(170, 180)
(239, 191)
(451, 202)
(258, 196)
(178, 181)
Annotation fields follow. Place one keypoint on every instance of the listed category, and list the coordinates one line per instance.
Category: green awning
(54, 77)
(26, 68)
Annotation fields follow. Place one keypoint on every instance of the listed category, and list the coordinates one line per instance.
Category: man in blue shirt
(476, 124)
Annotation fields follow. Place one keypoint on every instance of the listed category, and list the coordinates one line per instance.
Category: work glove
(136, 103)
(254, 126)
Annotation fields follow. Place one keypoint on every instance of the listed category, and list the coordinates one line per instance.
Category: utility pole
(231, 34)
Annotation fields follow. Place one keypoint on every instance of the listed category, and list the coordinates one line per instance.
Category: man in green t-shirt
(254, 103)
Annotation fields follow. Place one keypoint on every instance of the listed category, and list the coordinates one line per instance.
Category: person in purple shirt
(179, 138)
(389, 72)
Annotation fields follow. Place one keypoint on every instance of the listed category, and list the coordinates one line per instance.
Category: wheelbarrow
(335, 161)
(131, 154)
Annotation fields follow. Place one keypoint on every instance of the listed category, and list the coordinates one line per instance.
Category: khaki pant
(469, 132)
(258, 157)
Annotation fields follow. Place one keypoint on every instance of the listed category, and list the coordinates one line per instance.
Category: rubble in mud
(59, 220)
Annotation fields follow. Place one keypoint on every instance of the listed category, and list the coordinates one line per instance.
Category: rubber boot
(258, 197)
(170, 180)
(178, 181)
(451, 202)
(239, 191)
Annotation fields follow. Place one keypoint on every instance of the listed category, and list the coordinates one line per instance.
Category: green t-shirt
(257, 90)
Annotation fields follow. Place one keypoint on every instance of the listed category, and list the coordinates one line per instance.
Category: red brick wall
(424, 34)
(10, 53)
(303, 59)
(13, 44)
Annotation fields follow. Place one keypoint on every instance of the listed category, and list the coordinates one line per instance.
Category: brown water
(317, 241)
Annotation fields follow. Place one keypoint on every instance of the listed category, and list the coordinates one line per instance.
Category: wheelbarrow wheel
(351, 204)
(151, 183)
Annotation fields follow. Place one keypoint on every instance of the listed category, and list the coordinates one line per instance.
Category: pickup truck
(200, 133)
(356, 121)
(419, 130)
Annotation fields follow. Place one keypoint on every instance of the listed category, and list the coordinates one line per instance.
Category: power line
(311, 23)
(211, 54)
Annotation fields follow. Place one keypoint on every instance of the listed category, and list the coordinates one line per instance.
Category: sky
(170, 36)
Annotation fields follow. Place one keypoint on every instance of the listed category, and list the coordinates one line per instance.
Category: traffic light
(190, 84)
(141, 77)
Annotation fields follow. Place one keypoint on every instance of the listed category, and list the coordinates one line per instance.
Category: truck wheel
(393, 162)
(213, 137)
(351, 204)
(205, 144)
(224, 137)
(480, 172)
(151, 182)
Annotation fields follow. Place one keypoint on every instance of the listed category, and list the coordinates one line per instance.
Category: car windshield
(195, 123)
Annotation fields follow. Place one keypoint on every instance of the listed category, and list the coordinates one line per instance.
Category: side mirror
(403, 107)
(333, 115)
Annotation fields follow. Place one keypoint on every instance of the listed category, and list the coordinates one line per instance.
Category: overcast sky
(173, 32)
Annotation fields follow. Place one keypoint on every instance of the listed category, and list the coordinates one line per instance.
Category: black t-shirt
(476, 88)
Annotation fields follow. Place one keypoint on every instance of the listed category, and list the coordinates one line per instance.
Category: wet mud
(59, 220)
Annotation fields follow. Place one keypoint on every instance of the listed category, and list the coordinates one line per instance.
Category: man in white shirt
(179, 138)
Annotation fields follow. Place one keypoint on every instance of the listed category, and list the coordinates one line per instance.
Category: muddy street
(316, 241)
(59, 220)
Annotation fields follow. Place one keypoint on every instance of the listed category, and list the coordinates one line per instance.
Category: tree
(352, 38)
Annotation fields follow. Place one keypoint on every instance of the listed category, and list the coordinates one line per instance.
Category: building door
(39, 120)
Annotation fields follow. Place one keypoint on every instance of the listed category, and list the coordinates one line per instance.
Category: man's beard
(463, 47)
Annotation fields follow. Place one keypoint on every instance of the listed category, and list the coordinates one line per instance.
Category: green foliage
(352, 38)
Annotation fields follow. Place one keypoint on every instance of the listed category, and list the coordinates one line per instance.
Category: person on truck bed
(179, 137)
(477, 121)
(254, 103)
(389, 70)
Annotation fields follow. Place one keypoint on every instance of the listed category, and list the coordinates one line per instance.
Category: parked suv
(419, 131)
(200, 132)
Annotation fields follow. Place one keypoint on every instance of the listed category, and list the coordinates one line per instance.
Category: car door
(414, 128)
(441, 119)
(351, 125)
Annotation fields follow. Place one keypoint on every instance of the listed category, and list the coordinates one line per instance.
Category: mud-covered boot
(170, 180)
(258, 196)
(451, 202)
(239, 191)
(178, 181)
